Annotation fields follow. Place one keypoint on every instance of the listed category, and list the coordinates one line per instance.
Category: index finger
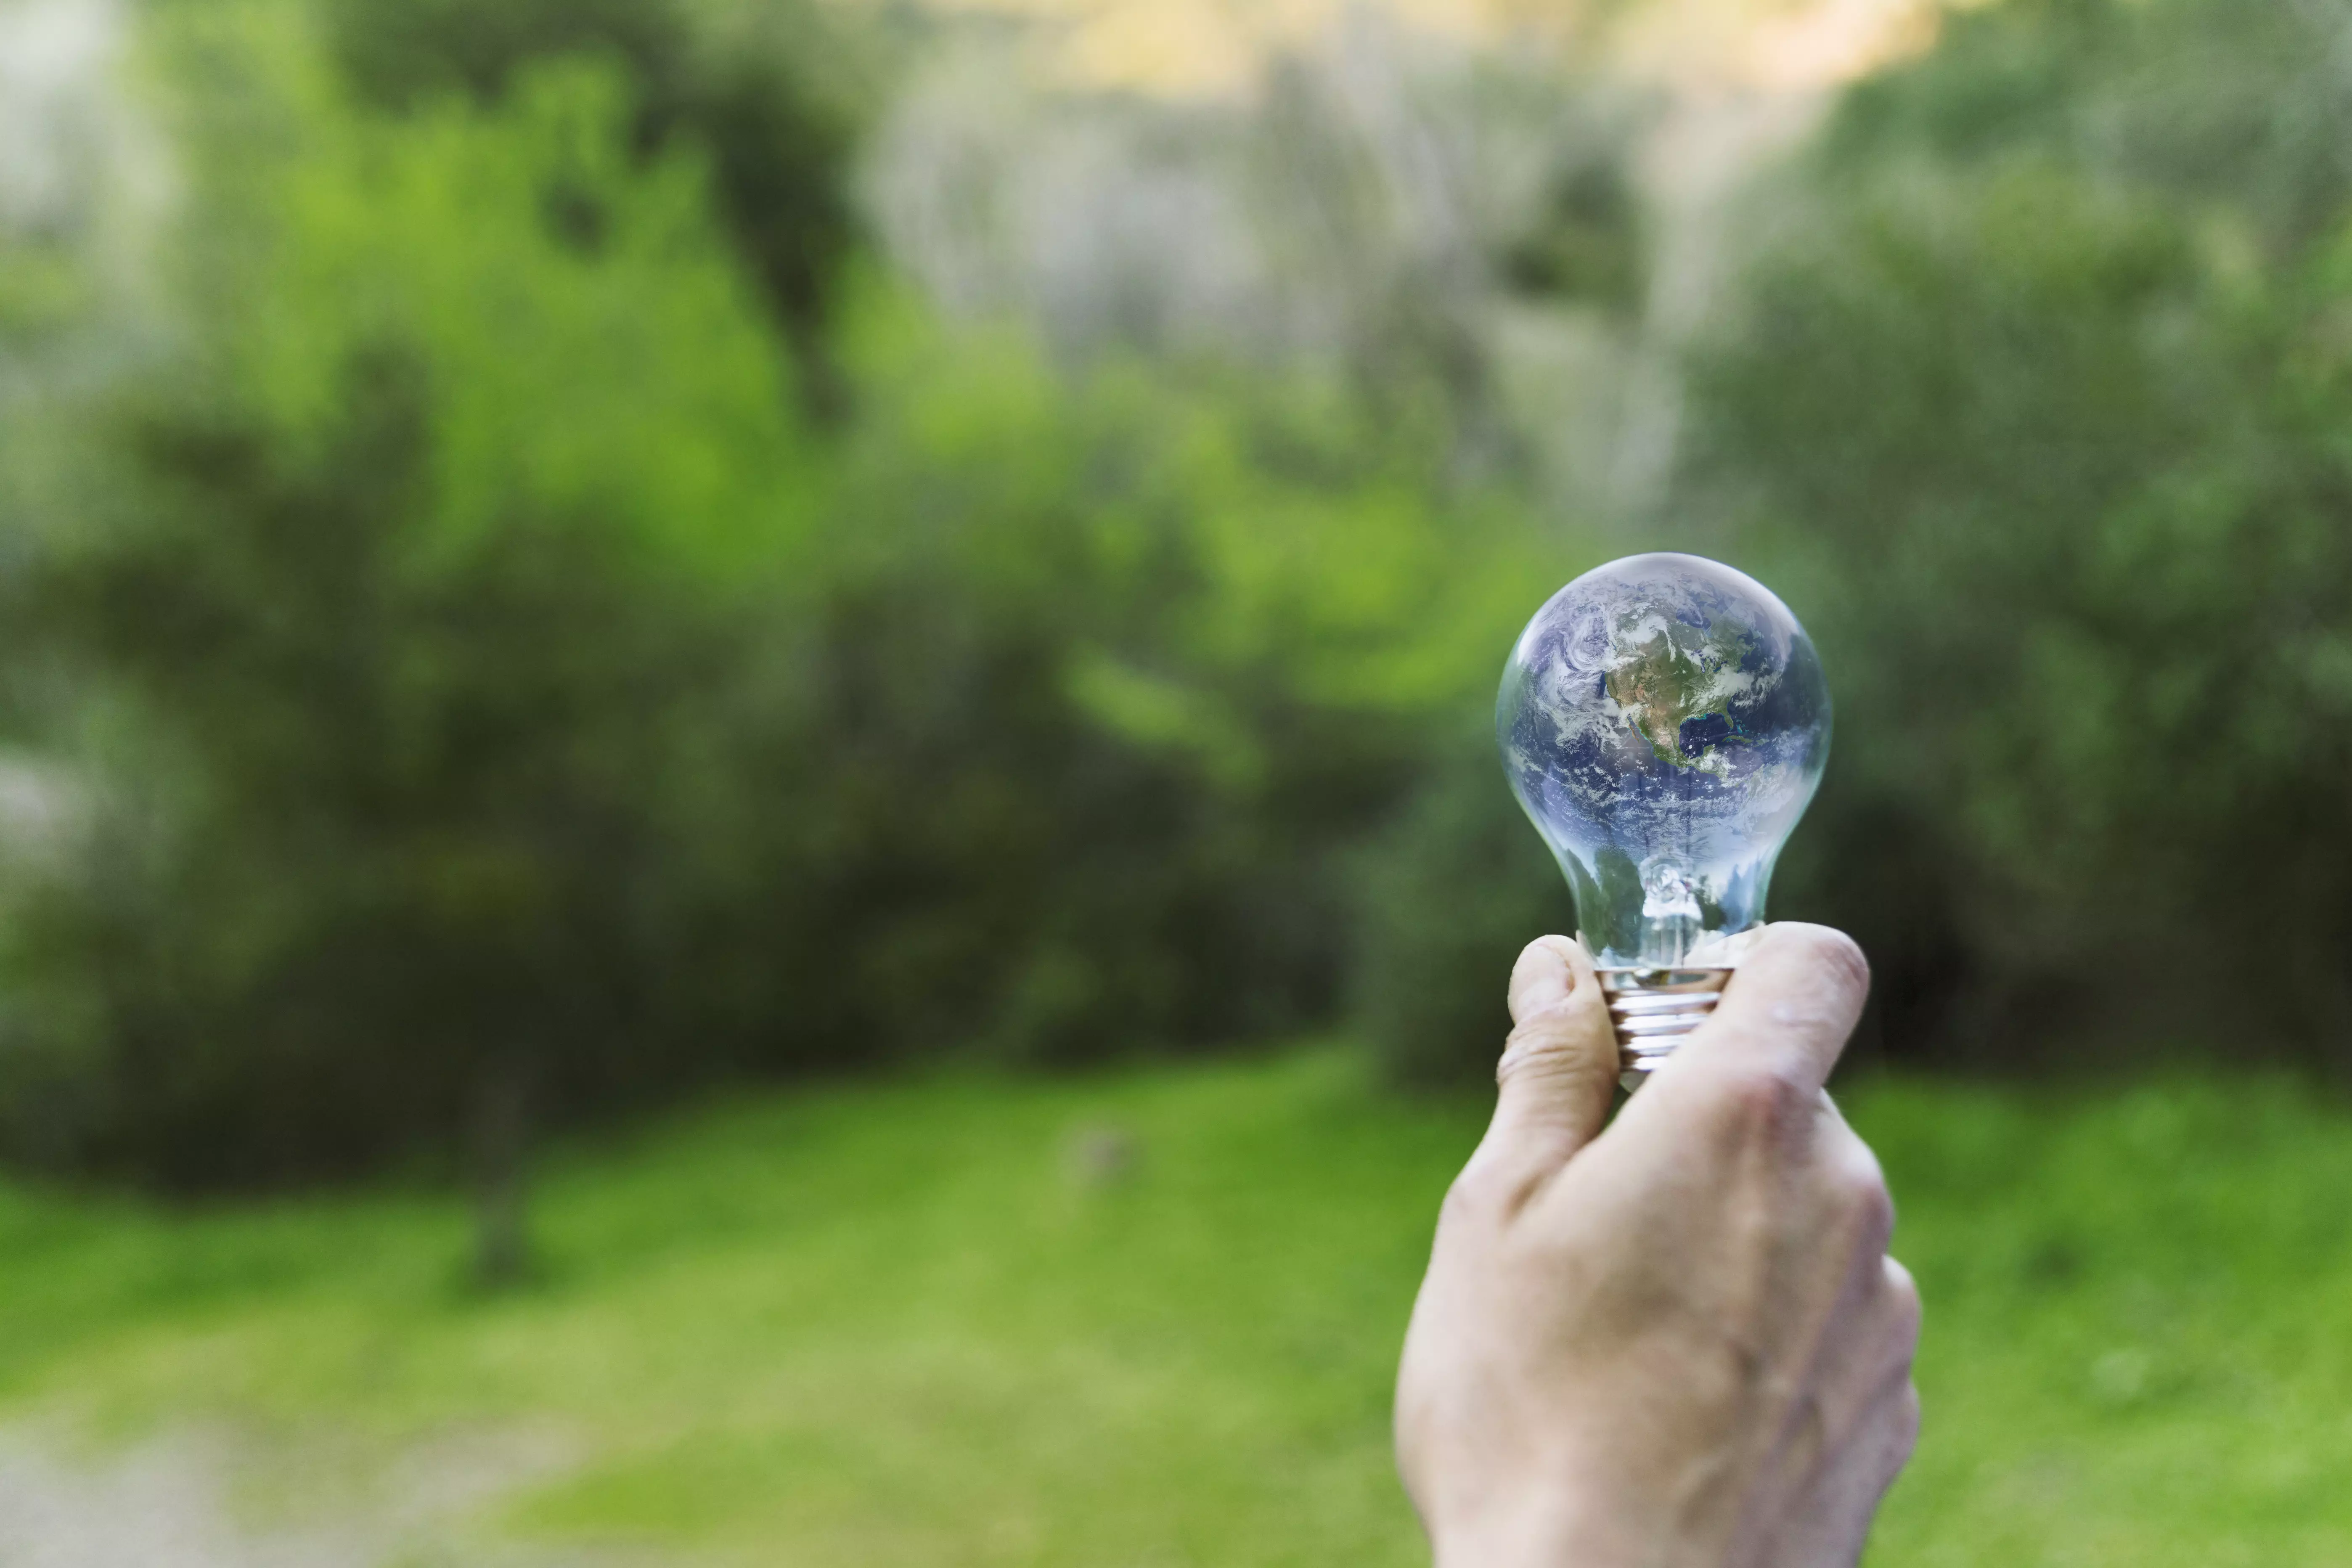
(1788, 1010)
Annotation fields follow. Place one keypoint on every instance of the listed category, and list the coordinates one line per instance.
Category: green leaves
(590, 349)
(2047, 399)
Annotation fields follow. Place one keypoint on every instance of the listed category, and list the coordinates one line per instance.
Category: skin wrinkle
(1700, 1499)
(1870, 1277)
(1830, 1354)
(1872, 1453)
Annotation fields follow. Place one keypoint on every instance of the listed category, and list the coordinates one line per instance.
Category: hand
(1679, 1342)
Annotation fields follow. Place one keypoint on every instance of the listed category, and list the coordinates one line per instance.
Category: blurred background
(747, 807)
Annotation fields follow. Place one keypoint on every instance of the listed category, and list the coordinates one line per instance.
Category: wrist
(1559, 1532)
(1519, 1538)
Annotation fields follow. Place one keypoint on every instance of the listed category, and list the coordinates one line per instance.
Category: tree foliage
(487, 692)
(539, 618)
(2038, 396)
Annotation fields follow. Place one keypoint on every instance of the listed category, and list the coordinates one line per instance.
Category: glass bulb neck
(1672, 920)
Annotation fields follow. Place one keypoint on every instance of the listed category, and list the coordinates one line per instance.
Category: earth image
(1677, 687)
(1663, 720)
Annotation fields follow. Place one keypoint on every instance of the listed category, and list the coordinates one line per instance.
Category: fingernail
(1541, 980)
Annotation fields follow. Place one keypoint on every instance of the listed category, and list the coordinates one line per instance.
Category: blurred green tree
(403, 601)
(2033, 394)
(1224, 611)
(775, 94)
(489, 700)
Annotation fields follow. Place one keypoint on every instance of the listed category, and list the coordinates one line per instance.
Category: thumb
(1559, 1066)
(1790, 1008)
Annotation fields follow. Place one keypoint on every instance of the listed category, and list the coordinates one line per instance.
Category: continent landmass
(1673, 686)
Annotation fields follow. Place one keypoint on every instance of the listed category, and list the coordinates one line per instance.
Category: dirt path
(188, 1499)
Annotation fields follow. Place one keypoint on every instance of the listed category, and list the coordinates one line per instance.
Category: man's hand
(1679, 1342)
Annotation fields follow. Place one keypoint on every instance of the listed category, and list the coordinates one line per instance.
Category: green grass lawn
(906, 1325)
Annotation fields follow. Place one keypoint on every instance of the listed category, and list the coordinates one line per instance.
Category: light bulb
(1664, 721)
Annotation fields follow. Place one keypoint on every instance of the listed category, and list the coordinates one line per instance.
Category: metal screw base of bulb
(1652, 1009)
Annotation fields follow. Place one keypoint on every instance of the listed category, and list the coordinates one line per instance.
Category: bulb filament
(1671, 918)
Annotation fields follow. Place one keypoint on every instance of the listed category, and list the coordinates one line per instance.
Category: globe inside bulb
(1665, 721)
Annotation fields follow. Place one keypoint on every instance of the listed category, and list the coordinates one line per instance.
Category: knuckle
(1560, 1043)
(1907, 1418)
(1842, 956)
(1462, 1206)
(1873, 1211)
(1474, 1197)
(1904, 1303)
(1859, 1190)
(1760, 1104)
(1529, 1048)
(1836, 955)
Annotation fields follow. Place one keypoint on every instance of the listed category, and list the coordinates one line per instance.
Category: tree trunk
(502, 1095)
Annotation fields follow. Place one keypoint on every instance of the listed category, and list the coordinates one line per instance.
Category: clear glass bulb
(1665, 721)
